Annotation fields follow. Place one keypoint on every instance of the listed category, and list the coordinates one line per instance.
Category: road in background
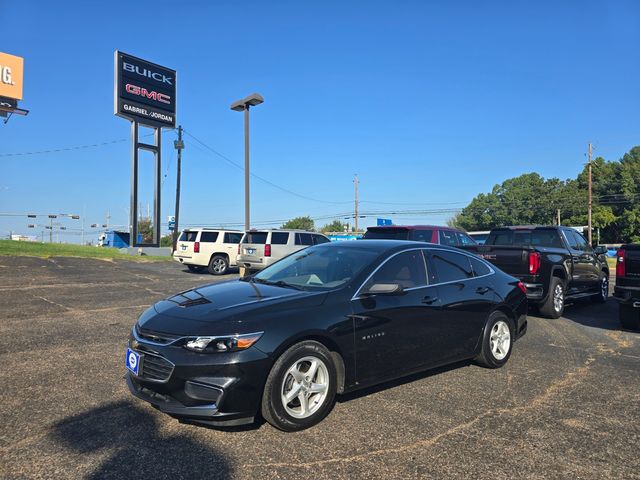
(566, 404)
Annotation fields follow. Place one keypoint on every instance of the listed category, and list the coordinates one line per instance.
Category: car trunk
(186, 244)
(631, 266)
(252, 246)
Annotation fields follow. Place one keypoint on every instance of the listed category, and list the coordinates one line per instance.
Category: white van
(215, 250)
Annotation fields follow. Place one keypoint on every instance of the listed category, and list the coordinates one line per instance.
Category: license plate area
(132, 361)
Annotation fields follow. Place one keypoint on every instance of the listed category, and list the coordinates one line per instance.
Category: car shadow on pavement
(401, 381)
(597, 315)
(129, 436)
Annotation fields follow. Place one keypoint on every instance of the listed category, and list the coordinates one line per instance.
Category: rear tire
(307, 373)
(553, 307)
(218, 265)
(603, 289)
(497, 341)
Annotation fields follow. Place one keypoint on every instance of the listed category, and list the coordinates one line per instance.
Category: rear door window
(448, 238)
(255, 237)
(279, 238)
(465, 239)
(209, 237)
(318, 239)
(188, 236)
(232, 237)
(304, 239)
(451, 266)
(422, 235)
(406, 269)
(479, 267)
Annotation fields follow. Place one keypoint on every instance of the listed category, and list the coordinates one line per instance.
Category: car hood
(224, 308)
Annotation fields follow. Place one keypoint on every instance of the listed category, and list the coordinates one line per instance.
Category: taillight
(522, 287)
(534, 263)
(620, 268)
(196, 247)
(267, 250)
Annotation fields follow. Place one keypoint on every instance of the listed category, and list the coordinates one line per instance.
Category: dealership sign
(144, 92)
(11, 68)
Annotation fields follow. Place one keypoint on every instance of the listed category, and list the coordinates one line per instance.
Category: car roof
(254, 230)
(528, 227)
(382, 246)
(414, 227)
(210, 229)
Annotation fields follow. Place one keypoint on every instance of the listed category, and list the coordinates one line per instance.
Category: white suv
(261, 248)
(215, 250)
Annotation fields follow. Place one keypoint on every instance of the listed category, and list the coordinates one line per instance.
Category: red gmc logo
(143, 92)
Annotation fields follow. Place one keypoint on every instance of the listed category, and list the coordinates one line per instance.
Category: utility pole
(179, 145)
(355, 182)
(558, 217)
(590, 197)
(50, 229)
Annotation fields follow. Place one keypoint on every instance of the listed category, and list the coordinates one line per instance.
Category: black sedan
(323, 321)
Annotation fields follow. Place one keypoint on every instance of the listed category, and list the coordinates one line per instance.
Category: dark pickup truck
(627, 289)
(556, 264)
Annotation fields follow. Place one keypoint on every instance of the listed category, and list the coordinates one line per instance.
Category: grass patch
(46, 250)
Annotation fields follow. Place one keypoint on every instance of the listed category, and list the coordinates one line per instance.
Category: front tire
(553, 307)
(218, 265)
(301, 387)
(497, 341)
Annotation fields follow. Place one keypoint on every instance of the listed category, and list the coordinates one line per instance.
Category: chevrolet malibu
(323, 321)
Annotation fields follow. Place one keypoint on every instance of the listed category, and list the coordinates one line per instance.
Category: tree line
(531, 199)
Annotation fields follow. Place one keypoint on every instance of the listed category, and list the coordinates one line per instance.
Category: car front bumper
(217, 389)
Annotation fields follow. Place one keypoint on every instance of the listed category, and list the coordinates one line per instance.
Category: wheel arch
(328, 343)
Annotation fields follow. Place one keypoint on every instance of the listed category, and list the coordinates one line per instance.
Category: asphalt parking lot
(566, 404)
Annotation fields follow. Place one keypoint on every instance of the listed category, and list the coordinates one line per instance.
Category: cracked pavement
(566, 404)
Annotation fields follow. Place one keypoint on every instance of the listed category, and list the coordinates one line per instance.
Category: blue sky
(428, 102)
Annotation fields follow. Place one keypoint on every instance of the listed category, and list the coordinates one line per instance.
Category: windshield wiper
(279, 283)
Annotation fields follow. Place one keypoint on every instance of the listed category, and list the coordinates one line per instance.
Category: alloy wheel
(604, 288)
(219, 265)
(304, 387)
(500, 340)
(558, 298)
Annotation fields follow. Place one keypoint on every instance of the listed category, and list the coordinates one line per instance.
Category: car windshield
(323, 267)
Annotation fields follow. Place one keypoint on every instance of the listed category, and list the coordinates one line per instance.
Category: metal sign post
(156, 150)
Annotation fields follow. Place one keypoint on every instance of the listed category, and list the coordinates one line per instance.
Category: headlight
(225, 343)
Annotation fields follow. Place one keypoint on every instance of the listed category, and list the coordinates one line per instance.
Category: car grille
(155, 337)
(155, 367)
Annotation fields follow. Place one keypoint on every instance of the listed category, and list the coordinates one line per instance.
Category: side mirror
(600, 250)
(385, 289)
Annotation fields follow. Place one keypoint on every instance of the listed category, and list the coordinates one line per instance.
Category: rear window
(188, 236)
(541, 238)
(387, 234)
(279, 238)
(255, 237)
(209, 237)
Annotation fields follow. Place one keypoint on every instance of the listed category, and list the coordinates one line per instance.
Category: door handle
(428, 300)
(482, 290)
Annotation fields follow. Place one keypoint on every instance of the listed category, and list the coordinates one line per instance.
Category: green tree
(335, 226)
(166, 241)
(300, 223)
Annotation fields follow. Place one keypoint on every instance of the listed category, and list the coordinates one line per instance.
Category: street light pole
(590, 198)
(179, 145)
(243, 106)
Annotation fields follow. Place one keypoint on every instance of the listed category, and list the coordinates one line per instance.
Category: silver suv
(260, 248)
(215, 250)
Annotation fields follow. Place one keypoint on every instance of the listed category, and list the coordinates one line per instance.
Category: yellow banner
(11, 70)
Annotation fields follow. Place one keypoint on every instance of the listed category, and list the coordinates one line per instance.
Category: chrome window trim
(358, 296)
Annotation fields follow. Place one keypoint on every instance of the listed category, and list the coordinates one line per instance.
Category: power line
(268, 182)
